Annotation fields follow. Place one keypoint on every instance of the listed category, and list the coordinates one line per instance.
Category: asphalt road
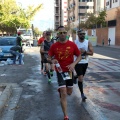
(108, 51)
(38, 99)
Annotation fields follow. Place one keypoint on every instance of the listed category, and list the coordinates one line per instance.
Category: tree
(101, 18)
(37, 31)
(93, 20)
(13, 16)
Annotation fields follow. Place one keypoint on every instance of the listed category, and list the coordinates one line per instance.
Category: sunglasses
(64, 32)
(81, 33)
(48, 34)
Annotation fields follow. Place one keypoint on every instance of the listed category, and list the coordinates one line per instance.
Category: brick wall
(102, 33)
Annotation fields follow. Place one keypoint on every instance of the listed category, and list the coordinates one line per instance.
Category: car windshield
(7, 41)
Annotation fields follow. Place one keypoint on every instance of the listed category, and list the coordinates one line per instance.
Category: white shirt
(83, 45)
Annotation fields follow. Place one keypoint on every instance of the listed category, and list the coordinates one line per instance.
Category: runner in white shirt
(86, 49)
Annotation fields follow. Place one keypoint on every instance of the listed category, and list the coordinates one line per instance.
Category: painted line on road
(107, 105)
(91, 108)
(114, 90)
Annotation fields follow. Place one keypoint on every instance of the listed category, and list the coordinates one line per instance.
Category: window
(7, 41)
(107, 3)
(111, 23)
(83, 7)
(81, 14)
(116, 0)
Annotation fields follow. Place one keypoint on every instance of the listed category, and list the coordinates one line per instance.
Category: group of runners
(72, 56)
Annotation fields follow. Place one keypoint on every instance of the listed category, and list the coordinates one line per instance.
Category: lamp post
(79, 13)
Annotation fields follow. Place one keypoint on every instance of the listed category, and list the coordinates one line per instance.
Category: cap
(19, 33)
(81, 31)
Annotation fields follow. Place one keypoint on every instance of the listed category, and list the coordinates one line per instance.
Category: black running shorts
(81, 69)
(61, 82)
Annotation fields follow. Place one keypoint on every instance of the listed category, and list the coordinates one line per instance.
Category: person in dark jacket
(16, 51)
(19, 41)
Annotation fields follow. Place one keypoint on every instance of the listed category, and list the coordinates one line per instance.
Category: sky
(44, 18)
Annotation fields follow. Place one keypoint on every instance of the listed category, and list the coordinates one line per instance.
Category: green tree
(101, 18)
(93, 20)
(14, 16)
(37, 31)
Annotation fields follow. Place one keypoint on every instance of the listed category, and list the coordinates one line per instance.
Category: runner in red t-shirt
(39, 44)
(63, 53)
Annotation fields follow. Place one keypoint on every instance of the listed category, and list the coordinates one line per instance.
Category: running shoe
(66, 118)
(51, 74)
(49, 80)
(41, 70)
(83, 97)
(44, 73)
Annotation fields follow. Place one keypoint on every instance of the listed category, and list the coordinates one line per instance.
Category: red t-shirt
(41, 40)
(64, 53)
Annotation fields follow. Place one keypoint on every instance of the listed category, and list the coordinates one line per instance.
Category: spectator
(19, 41)
(16, 51)
(109, 40)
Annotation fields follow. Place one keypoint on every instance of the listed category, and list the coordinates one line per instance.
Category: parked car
(5, 44)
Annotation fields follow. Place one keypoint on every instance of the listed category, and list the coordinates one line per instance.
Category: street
(33, 98)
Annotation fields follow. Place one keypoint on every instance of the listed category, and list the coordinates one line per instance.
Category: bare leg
(63, 100)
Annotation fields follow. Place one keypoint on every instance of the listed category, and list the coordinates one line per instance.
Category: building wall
(99, 5)
(64, 12)
(112, 4)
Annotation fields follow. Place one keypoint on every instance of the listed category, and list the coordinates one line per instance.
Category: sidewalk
(6, 91)
(111, 46)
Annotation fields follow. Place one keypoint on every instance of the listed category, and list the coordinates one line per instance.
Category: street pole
(79, 14)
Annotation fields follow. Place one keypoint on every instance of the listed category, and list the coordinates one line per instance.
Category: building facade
(77, 10)
(112, 31)
(112, 4)
(60, 13)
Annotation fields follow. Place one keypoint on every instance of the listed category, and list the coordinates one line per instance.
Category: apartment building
(60, 10)
(112, 31)
(112, 4)
(99, 5)
(77, 10)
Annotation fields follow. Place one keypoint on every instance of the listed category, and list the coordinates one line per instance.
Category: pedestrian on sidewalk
(16, 51)
(103, 42)
(63, 52)
(86, 49)
(109, 40)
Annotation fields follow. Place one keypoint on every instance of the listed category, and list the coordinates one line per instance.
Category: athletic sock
(51, 73)
(48, 74)
(42, 65)
(80, 85)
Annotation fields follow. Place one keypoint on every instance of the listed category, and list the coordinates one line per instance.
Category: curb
(5, 96)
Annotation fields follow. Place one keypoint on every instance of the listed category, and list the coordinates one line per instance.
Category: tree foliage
(93, 20)
(13, 16)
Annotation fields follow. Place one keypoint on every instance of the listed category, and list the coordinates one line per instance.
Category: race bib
(66, 75)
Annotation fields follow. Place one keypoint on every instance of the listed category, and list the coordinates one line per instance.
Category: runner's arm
(90, 49)
(42, 49)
